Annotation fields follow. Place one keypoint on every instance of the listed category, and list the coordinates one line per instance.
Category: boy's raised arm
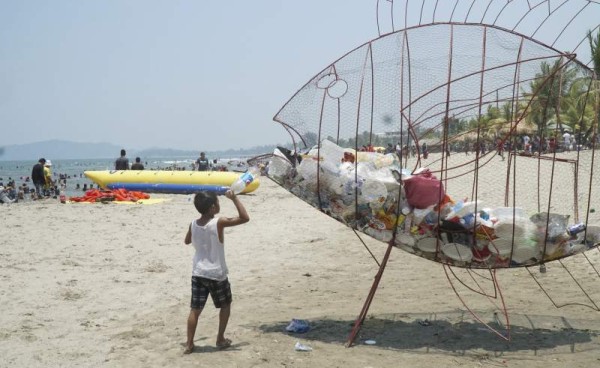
(242, 214)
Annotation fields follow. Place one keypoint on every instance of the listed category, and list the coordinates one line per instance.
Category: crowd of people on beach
(523, 144)
(43, 183)
(41, 178)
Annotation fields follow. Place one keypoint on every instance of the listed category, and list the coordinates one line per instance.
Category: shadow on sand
(453, 333)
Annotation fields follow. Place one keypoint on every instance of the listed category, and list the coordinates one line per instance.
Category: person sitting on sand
(4, 196)
(12, 191)
(209, 275)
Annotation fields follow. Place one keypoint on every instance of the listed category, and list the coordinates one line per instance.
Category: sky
(182, 74)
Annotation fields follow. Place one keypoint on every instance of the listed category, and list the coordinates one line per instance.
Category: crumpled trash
(301, 347)
(298, 326)
(424, 323)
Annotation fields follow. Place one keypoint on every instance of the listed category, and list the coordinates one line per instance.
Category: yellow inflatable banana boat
(163, 181)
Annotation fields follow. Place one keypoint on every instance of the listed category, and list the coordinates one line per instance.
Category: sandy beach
(89, 285)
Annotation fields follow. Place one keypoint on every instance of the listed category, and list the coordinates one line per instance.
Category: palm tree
(547, 90)
(577, 108)
(503, 119)
(595, 49)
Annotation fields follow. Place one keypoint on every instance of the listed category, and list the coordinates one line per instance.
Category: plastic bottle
(244, 180)
(301, 347)
(308, 171)
(279, 167)
(573, 230)
(373, 192)
(331, 152)
(63, 198)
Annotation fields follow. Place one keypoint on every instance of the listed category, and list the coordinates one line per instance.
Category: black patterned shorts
(220, 292)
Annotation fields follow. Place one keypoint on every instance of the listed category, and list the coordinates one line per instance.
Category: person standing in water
(202, 163)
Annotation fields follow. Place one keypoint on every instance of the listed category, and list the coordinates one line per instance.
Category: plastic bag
(298, 326)
(423, 190)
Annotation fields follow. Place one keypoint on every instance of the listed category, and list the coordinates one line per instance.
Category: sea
(73, 170)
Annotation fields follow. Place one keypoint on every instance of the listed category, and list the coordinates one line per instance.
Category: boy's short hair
(204, 200)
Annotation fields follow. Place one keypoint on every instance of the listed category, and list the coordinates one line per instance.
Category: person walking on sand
(500, 147)
(49, 185)
(38, 178)
(209, 274)
(424, 150)
(202, 163)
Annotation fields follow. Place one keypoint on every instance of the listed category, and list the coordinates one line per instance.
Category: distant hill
(230, 153)
(60, 150)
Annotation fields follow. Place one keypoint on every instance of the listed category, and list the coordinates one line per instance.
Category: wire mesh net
(467, 144)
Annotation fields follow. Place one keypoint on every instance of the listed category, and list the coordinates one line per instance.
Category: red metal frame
(471, 13)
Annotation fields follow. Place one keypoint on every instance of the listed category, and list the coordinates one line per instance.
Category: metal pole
(363, 313)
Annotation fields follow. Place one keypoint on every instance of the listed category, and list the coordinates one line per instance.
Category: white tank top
(209, 259)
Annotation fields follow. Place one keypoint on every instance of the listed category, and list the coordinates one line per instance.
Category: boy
(209, 275)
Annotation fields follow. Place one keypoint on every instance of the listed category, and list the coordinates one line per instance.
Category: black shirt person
(202, 163)
(122, 163)
(38, 177)
(137, 165)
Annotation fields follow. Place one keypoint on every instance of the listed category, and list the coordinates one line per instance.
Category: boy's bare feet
(223, 344)
(189, 349)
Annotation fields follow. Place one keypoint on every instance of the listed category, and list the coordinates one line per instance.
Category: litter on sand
(298, 326)
(425, 323)
(301, 347)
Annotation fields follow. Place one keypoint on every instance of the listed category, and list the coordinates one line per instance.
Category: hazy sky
(185, 74)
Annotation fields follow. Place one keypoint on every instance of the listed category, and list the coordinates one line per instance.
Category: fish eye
(337, 88)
